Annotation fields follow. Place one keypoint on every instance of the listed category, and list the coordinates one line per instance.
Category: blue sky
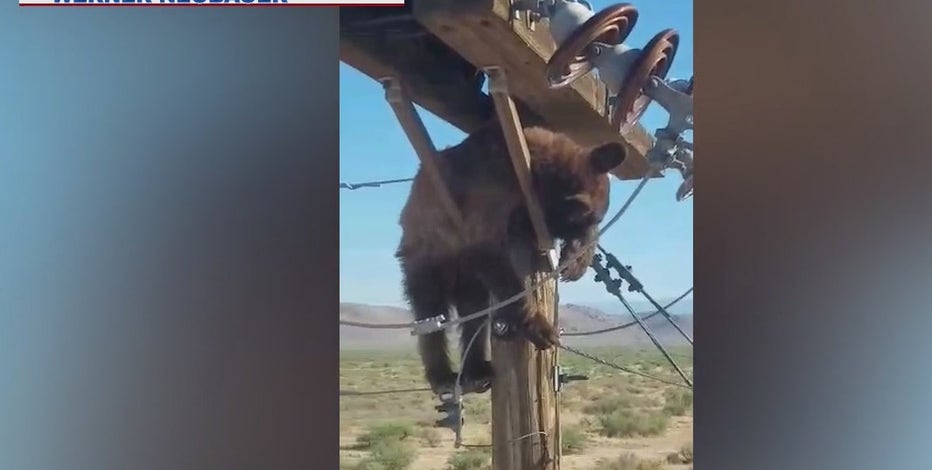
(655, 235)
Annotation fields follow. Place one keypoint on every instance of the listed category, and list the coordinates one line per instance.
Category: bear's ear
(606, 157)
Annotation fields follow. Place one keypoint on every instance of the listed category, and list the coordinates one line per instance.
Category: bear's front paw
(541, 332)
(574, 271)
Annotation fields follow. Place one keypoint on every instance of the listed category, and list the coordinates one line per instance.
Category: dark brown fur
(445, 268)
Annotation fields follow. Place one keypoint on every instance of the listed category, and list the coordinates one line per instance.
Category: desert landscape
(612, 421)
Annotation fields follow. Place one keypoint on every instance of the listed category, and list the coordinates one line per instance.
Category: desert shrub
(629, 462)
(574, 440)
(385, 432)
(623, 400)
(369, 464)
(607, 405)
(388, 455)
(683, 456)
(626, 423)
(472, 459)
(677, 402)
(687, 452)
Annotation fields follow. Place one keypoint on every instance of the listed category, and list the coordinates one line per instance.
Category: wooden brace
(417, 134)
(520, 157)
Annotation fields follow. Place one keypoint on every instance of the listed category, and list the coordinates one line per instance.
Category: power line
(372, 184)
(613, 286)
(634, 285)
(385, 326)
(624, 369)
(351, 393)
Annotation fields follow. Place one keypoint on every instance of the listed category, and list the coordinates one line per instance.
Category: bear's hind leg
(426, 292)
(472, 296)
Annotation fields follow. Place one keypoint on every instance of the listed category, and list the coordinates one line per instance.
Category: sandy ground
(679, 433)
(435, 448)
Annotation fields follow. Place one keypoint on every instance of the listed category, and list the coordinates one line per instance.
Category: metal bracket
(560, 379)
(451, 404)
(526, 12)
(670, 149)
(414, 129)
(535, 10)
(672, 97)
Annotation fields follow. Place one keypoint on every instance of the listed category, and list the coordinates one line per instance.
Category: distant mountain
(614, 307)
(572, 318)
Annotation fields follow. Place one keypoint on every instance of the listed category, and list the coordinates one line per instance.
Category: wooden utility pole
(525, 430)
(525, 426)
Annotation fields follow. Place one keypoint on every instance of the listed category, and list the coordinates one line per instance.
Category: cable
(623, 369)
(386, 326)
(465, 354)
(353, 393)
(510, 441)
(655, 340)
(613, 286)
(457, 396)
(372, 184)
(625, 206)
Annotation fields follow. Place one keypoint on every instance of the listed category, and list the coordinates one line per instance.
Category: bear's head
(573, 187)
(578, 196)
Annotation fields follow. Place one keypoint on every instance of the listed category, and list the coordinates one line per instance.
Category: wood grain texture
(523, 396)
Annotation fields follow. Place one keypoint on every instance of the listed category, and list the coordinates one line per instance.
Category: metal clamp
(451, 404)
(428, 325)
(634, 285)
(604, 276)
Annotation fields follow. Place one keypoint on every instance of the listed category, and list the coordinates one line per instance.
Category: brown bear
(443, 267)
